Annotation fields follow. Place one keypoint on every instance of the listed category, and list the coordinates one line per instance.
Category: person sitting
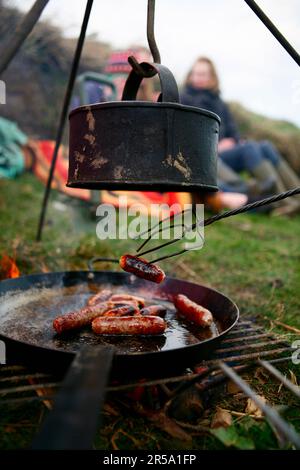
(259, 159)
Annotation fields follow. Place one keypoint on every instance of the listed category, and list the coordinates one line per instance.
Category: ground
(254, 259)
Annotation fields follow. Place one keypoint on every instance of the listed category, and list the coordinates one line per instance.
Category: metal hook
(150, 32)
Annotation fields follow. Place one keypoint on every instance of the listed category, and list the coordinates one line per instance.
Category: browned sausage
(124, 303)
(137, 325)
(125, 310)
(102, 296)
(157, 310)
(192, 311)
(79, 318)
(142, 268)
(124, 298)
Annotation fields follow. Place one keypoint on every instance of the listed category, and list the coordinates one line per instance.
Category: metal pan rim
(121, 274)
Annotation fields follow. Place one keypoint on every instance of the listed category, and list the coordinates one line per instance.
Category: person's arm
(230, 127)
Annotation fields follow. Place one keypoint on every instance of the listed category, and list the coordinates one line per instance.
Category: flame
(8, 268)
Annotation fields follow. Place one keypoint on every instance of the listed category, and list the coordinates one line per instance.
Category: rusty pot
(138, 145)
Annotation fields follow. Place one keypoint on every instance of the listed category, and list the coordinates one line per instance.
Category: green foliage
(247, 434)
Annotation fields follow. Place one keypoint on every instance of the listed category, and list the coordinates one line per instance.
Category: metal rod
(223, 215)
(274, 30)
(63, 115)
(150, 32)
(170, 256)
(271, 414)
(20, 33)
(244, 331)
(18, 378)
(249, 356)
(242, 347)
(253, 205)
(12, 401)
(190, 378)
(219, 377)
(28, 388)
(242, 338)
(151, 231)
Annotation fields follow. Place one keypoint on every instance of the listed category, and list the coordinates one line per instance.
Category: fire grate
(246, 346)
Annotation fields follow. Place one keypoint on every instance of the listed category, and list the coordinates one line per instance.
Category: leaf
(293, 378)
(221, 419)
(253, 409)
(232, 387)
(231, 438)
(261, 375)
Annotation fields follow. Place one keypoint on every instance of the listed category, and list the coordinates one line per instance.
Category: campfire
(8, 268)
(161, 347)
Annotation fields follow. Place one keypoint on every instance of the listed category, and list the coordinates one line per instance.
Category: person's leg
(229, 180)
(287, 174)
(242, 157)
(249, 157)
(287, 177)
(252, 159)
(270, 152)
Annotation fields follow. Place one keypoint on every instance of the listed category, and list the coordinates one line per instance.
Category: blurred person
(118, 68)
(259, 159)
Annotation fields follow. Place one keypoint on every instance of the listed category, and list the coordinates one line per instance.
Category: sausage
(137, 325)
(124, 298)
(124, 303)
(79, 318)
(157, 310)
(102, 296)
(125, 310)
(142, 268)
(193, 311)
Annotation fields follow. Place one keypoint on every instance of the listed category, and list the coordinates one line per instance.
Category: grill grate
(246, 346)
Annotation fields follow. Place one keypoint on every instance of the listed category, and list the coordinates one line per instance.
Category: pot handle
(169, 89)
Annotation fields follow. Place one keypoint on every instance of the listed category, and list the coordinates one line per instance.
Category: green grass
(253, 258)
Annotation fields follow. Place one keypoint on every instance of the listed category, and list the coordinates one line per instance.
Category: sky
(254, 69)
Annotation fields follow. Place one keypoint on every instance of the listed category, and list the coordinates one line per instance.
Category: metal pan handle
(72, 423)
(169, 89)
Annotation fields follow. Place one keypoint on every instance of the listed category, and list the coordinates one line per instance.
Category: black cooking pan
(28, 306)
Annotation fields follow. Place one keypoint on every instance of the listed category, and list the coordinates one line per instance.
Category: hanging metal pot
(138, 145)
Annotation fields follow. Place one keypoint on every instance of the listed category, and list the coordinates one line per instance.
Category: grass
(253, 258)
